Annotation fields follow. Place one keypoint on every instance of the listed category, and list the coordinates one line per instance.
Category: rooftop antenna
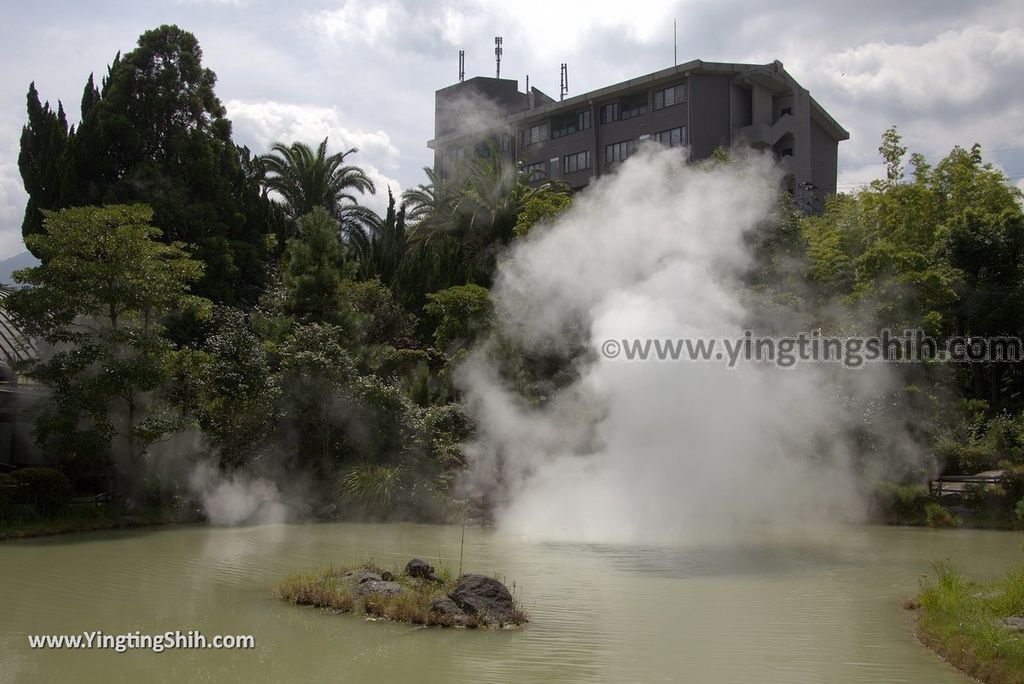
(462, 66)
(565, 81)
(675, 45)
(497, 56)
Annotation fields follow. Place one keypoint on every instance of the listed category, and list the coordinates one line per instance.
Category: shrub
(1019, 510)
(976, 458)
(902, 504)
(7, 490)
(1005, 437)
(937, 516)
(41, 491)
(377, 487)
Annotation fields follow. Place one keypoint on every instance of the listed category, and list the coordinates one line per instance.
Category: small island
(418, 595)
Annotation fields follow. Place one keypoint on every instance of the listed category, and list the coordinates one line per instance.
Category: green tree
(155, 132)
(462, 313)
(230, 389)
(97, 300)
(942, 251)
(384, 254)
(316, 265)
(315, 372)
(892, 152)
(461, 224)
(541, 206)
(41, 159)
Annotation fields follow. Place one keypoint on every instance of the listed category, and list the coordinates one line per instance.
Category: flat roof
(772, 74)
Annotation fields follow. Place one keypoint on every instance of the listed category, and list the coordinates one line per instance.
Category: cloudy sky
(363, 72)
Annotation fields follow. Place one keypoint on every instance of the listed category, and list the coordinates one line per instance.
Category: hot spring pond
(819, 606)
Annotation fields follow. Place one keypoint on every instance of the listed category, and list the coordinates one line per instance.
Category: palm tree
(466, 220)
(306, 179)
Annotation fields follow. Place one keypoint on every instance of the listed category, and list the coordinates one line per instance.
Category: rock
(387, 576)
(376, 587)
(484, 596)
(444, 606)
(1014, 623)
(367, 576)
(327, 512)
(418, 567)
(444, 611)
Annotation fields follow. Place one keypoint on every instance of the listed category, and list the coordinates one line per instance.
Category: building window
(633, 107)
(570, 123)
(667, 97)
(576, 162)
(673, 137)
(626, 108)
(609, 112)
(533, 134)
(505, 142)
(618, 152)
(535, 172)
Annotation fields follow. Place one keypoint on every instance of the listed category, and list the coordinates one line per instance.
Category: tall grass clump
(966, 623)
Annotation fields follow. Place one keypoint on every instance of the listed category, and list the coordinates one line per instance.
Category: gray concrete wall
(824, 159)
(709, 114)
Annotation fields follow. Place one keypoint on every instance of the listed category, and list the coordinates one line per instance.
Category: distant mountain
(21, 260)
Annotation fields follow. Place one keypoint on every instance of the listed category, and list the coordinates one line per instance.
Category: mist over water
(235, 499)
(657, 451)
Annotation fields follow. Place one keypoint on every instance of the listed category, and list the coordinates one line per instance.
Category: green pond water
(810, 606)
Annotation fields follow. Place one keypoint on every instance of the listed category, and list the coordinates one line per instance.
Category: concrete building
(699, 105)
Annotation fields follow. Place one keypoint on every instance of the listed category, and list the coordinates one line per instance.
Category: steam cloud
(237, 498)
(649, 451)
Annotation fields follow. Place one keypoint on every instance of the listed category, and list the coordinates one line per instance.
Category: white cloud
(559, 28)
(955, 68)
(261, 124)
(265, 123)
(356, 21)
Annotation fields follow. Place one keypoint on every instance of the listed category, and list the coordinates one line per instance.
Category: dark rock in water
(418, 567)
(444, 611)
(485, 596)
(376, 587)
(327, 512)
(387, 576)
(367, 576)
(443, 605)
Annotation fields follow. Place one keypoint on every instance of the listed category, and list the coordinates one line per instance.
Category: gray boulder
(367, 576)
(483, 596)
(376, 587)
(444, 611)
(418, 567)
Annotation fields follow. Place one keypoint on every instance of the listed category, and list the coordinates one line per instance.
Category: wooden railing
(935, 487)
